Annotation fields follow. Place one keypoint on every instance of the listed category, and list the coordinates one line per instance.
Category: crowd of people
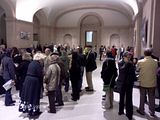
(38, 71)
(35, 71)
(145, 70)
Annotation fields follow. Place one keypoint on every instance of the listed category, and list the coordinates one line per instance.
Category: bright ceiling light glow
(133, 4)
(25, 9)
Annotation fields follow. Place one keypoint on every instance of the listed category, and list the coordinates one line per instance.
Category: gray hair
(39, 56)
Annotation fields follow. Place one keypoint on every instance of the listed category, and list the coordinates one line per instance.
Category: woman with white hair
(32, 86)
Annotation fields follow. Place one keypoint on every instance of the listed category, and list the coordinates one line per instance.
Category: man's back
(147, 74)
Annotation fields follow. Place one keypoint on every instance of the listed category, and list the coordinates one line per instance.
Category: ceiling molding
(61, 13)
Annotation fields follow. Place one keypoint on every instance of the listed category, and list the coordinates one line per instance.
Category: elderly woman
(52, 79)
(32, 86)
(22, 69)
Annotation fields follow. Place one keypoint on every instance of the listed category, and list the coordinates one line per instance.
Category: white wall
(109, 18)
(124, 34)
(74, 32)
(27, 27)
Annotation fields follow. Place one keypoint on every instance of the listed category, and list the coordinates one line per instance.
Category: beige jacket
(52, 77)
(147, 72)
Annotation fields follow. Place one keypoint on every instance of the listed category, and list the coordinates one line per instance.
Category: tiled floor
(89, 107)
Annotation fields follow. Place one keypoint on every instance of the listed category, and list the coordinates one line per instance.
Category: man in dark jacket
(8, 74)
(125, 83)
(90, 66)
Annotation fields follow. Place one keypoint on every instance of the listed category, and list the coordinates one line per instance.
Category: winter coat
(52, 77)
(109, 72)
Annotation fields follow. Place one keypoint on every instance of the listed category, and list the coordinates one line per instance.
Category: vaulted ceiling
(55, 10)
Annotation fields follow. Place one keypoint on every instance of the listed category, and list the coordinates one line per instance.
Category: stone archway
(7, 16)
(115, 40)
(36, 31)
(67, 39)
(90, 26)
(41, 29)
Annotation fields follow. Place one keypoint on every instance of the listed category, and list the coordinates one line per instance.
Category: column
(138, 25)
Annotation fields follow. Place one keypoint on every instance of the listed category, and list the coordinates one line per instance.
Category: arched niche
(90, 30)
(40, 28)
(2, 26)
(115, 40)
(67, 39)
(36, 31)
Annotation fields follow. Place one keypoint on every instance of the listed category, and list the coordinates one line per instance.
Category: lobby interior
(28, 23)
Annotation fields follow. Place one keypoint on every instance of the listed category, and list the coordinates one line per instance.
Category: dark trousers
(100, 57)
(126, 92)
(2, 90)
(51, 98)
(59, 98)
(81, 79)
(75, 89)
(66, 88)
(8, 97)
(158, 85)
(151, 96)
(121, 54)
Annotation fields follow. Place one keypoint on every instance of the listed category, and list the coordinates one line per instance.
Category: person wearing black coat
(125, 84)
(2, 90)
(90, 67)
(109, 74)
(8, 74)
(75, 75)
(30, 97)
(22, 70)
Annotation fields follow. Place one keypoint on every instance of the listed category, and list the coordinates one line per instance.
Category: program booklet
(9, 84)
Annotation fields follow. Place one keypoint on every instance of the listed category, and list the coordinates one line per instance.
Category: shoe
(86, 88)
(103, 95)
(89, 90)
(74, 99)
(141, 113)
(54, 111)
(103, 98)
(129, 117)
(157, 109)
(12, 104)
(120, 113)
(152, 115)
(59, 104)
(13, 101)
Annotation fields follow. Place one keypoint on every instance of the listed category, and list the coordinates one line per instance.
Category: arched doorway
(67, 39)
(90, 27)
(115, 40)
(2, 27)
(41, 30)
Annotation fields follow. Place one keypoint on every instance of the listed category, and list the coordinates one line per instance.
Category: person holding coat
(52, 79)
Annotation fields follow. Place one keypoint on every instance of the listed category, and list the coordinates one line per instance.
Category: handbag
(107, 87)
